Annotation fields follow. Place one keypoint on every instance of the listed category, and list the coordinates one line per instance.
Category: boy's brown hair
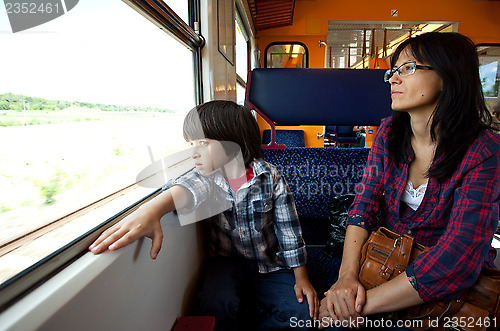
(225, 121)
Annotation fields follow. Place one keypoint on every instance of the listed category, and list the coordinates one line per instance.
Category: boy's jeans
(232, 290)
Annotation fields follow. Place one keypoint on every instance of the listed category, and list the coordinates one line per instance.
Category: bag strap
(398, 257)
(405, 248)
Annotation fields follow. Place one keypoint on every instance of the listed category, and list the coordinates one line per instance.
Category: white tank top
(413, 197)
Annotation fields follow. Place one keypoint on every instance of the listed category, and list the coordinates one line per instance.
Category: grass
(35, 117)
(42, 166)
(52, 187)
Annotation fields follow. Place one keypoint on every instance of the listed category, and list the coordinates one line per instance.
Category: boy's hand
(304, 287)
(141, 223)
(144, 222)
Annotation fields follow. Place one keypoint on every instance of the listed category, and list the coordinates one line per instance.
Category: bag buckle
(453, 326)
(396, 241)
(385, 272)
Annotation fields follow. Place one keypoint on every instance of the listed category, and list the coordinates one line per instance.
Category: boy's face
(208, 155)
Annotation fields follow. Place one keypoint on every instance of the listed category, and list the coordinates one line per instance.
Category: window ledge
(94, 291)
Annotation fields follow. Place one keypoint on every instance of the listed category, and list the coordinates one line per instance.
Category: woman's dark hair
(225, 121)
(460, 114)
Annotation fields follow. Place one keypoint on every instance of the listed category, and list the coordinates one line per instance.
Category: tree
(4, 105)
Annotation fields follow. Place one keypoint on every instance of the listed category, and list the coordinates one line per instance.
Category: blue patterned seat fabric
(315, 175)
(290, 138)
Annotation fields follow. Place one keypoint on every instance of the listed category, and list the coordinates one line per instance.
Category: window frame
(22, 283)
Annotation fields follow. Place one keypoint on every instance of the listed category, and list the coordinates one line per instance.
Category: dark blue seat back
(342, 134)
(330, 129)
(339, 97)
(344, 130)
(320, 96)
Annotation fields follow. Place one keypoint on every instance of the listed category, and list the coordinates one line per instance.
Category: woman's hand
(304, 287)
(144, 222)
(344, 300)
(324, 315)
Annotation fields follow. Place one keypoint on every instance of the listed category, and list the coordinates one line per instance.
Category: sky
(98, 52)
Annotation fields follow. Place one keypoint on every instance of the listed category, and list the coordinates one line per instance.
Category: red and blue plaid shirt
(260, 222)
(456, 219)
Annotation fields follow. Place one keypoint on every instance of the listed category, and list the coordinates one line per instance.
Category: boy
(256, 244)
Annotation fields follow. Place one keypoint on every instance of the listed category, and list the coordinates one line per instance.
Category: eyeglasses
(405, 69)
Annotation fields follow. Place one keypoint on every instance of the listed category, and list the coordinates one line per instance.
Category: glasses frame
(390, 72)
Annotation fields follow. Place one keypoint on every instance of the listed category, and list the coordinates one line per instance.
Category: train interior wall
(476, 19)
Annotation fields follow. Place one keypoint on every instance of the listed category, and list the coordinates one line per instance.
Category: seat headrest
(320, 96)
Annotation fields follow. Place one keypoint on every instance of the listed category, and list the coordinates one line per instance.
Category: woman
(435, 169)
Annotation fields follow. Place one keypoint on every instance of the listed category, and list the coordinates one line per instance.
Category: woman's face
(208, 155)
(418, 92)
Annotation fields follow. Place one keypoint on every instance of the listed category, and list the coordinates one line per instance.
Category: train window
(241, 49)
(87, 101)
(241, 58)
(240, 94)
(286, 55)
(489, 71)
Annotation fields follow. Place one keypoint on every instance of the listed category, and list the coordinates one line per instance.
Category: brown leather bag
(387, 254)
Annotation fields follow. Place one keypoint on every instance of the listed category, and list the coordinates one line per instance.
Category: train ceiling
(268, 14)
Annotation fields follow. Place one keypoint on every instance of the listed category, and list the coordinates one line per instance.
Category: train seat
(192, 323)
(341, 135)
(289, 96)
(290, 138)
(315, 176)
(340, 97)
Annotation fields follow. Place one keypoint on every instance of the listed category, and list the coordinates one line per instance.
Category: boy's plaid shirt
(262, 222)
